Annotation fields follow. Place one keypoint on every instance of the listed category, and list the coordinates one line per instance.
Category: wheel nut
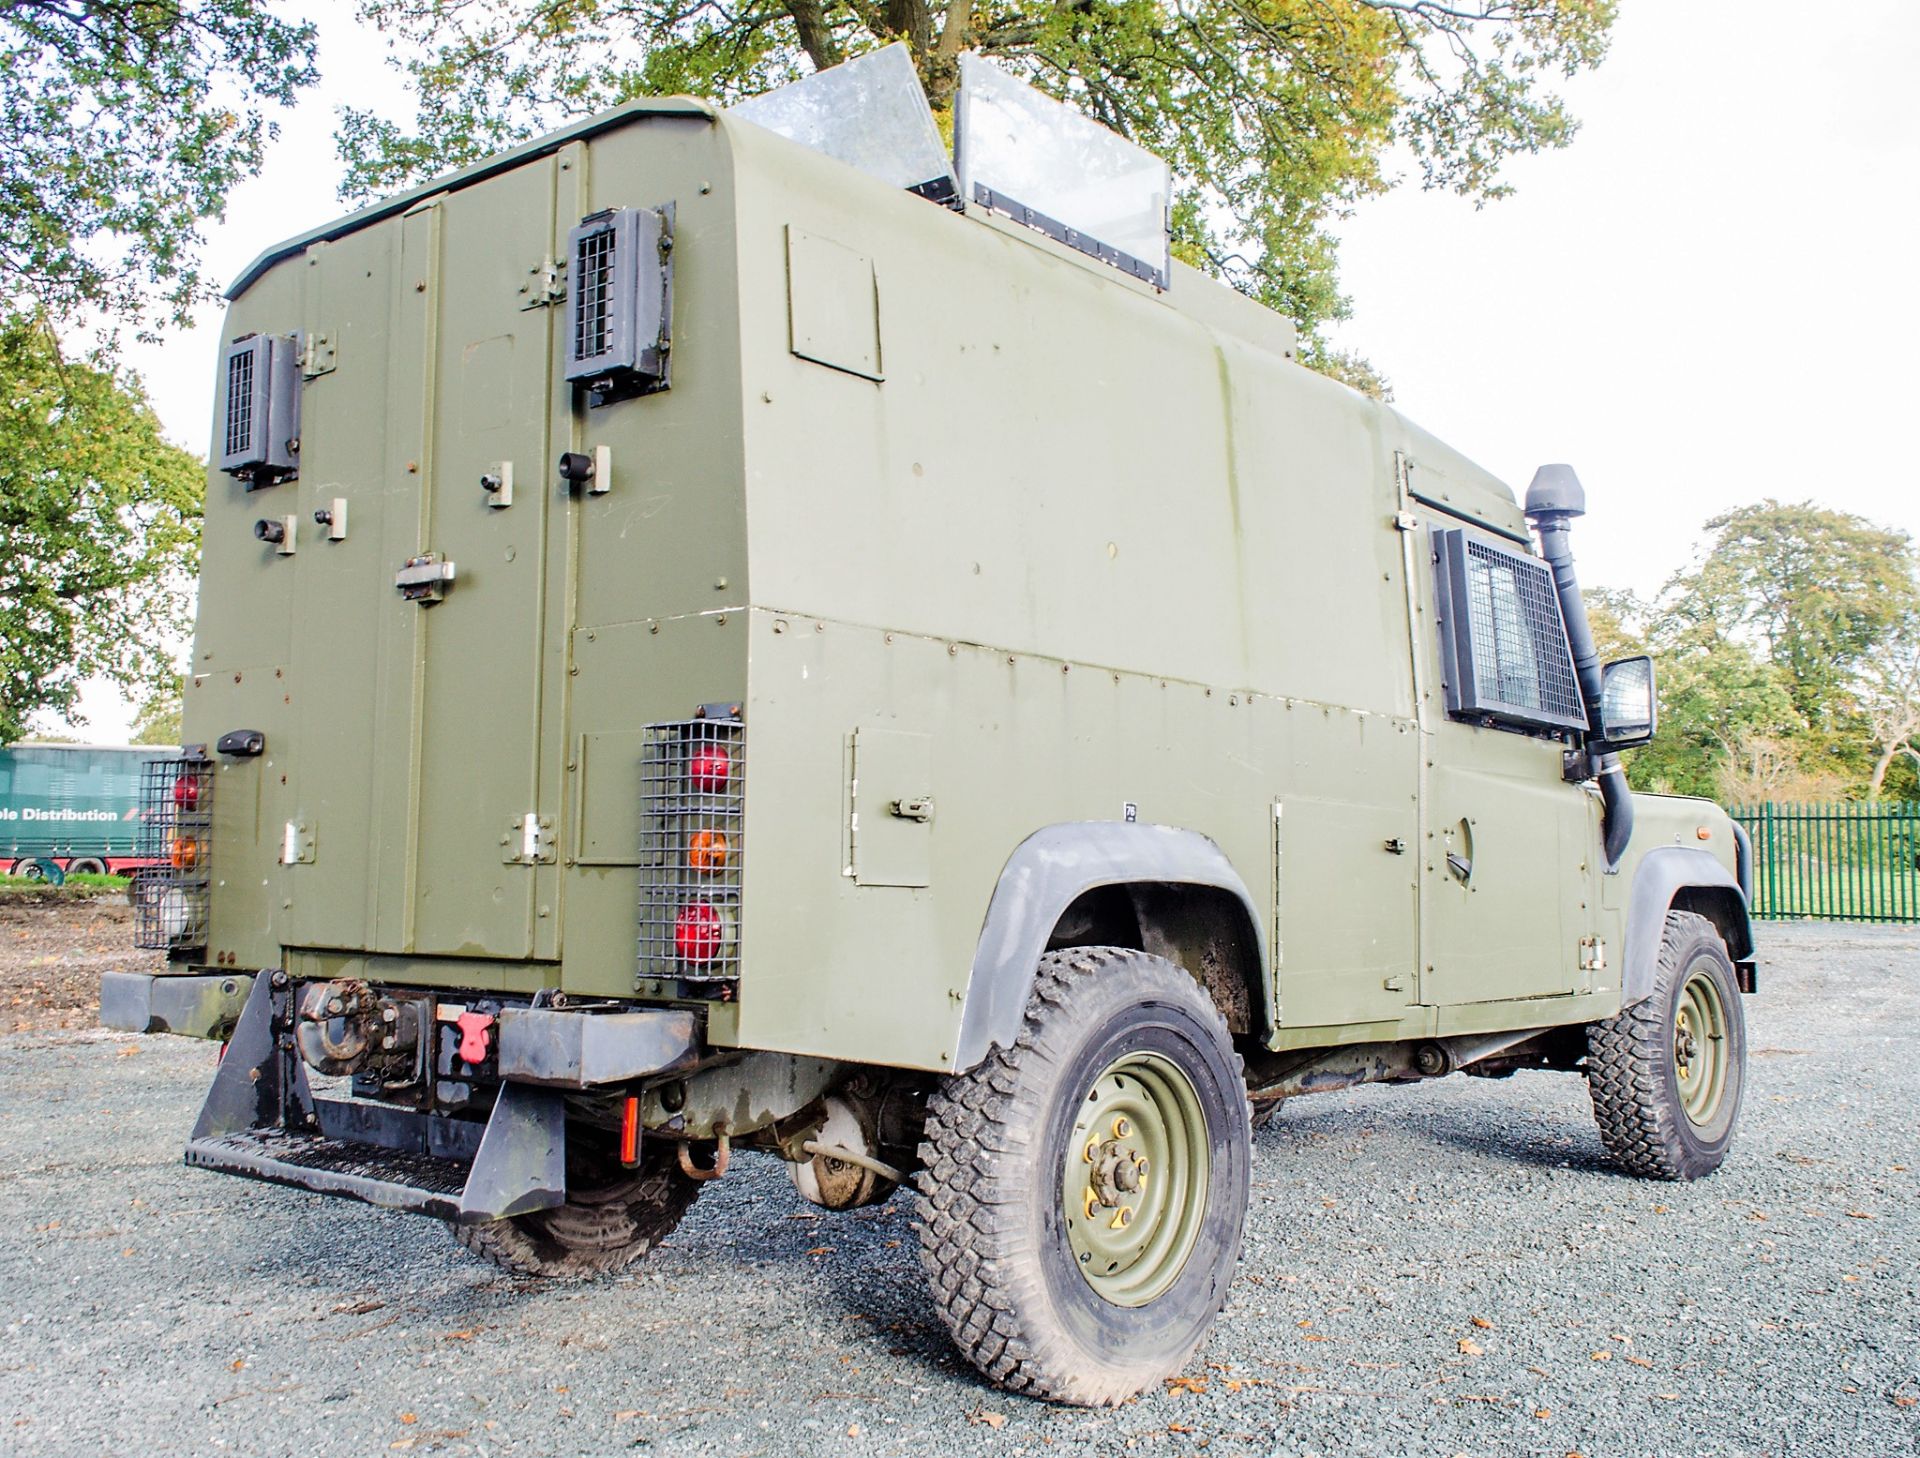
(1121, 1128)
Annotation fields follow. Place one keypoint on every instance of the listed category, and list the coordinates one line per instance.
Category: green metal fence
(1843, 861)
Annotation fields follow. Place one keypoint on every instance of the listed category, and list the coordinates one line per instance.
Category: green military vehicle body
(960, 712)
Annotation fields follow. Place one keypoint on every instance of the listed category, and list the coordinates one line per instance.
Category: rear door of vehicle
(416, 724)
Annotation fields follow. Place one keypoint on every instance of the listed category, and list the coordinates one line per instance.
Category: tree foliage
(1276, 115)
(123, 125)
(1789, 659)
(99, 529)
(1818, 590)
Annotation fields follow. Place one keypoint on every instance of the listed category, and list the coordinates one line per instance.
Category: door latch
(918, 807)
(424, 579)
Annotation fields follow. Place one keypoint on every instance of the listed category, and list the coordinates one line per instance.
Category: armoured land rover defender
(740, 631)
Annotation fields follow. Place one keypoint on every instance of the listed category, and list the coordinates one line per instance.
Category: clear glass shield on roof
(1020, 152)
(869, 113)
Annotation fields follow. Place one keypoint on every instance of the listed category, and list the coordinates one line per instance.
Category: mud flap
(261, 1120)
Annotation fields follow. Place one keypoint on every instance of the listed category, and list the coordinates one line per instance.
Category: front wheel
(1666, 1074)
(1084, 1191)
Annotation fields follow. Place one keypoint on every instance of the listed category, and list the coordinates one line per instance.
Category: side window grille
(692, 849)
(593, 294)
(260, 441)
(239, 402)
(176, 835)
(1504, 646)
(621, 292)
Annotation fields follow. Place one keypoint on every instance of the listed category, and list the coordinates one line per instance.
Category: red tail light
(698, 933)
(630, 1133)
(709, 769)
(186, 791)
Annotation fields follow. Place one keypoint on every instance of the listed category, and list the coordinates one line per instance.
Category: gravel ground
(1445, 1269)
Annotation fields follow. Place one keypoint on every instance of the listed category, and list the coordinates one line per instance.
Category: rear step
(262, 1120)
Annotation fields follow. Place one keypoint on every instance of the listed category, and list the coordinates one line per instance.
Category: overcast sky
(1710, 297)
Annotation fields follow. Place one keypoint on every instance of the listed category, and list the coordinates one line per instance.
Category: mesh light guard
(674, 814)
(170, 898)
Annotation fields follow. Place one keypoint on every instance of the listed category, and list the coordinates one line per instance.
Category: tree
(1818, 591)
(158, 721)
(1889, 696)
(123, 125)
(1276, 115)
(1729, 728)
(99, 529)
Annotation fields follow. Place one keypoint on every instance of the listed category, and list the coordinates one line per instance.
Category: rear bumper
(262, 1118)
(198, 1007)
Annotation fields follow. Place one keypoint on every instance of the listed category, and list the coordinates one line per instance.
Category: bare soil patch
(53, 948)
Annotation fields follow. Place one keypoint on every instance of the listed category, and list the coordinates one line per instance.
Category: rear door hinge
(546, 284)
(318, 357)
(1593, 954)
(529, 841)
(296, 844)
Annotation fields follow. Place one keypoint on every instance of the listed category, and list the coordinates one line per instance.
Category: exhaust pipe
(1554, 499)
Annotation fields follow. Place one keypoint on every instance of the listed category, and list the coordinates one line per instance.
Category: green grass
(78, 887)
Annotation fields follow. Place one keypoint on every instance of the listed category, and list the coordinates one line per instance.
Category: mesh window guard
(1504, 646)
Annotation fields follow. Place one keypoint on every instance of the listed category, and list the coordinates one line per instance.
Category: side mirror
(1628, 713)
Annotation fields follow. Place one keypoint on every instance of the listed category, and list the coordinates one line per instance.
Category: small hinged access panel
(892, 830)
(620, 316)
(833, 305)
(424, 579)
(260, 416)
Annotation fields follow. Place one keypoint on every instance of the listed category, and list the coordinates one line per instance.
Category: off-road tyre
(612, 1218)
(990, 1213)
(1634, 1066)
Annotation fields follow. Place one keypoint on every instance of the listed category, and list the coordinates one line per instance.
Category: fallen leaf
(1178, 1428)
(1659, 1209)
(1603, 1356)
(1543, 1413)
(1483, 1323)
(463, 1336)
(357, 1308)
(893, 1245)
(821, 1250)
(1313, 1336)
(1904, 1401)
(409, 1417)
(1641, 1361)
(128, 1051)
(624, 1414)
(1668, 1396)
(1858, 1215)
(1471, 1348)
(984, 1419)
(853, 1430)
(402, 1445)
(1186, 1384)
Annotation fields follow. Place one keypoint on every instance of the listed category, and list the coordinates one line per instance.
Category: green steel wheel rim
(1700, 1048)
(1134, 1186)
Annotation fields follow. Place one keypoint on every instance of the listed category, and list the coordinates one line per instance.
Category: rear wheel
(1666, 1074)
(87, 866)
(1084, 1191)
(612, 1218)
